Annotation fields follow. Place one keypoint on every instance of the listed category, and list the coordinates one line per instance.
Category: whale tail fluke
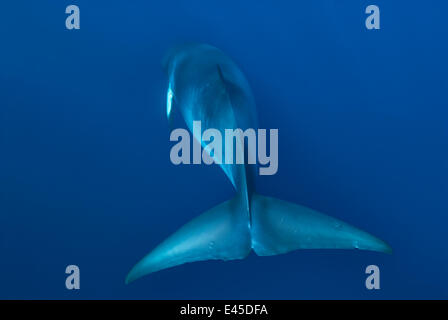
(275, 227)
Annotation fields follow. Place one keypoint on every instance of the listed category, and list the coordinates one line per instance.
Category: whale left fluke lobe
(221, 233)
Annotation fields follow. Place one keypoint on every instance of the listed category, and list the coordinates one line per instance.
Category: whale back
(209, 87)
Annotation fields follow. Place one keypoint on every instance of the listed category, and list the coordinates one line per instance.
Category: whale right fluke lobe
(279, 227)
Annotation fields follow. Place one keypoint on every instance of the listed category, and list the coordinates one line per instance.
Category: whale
(205, 84)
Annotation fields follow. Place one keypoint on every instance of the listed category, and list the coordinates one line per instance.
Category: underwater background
(85, 174)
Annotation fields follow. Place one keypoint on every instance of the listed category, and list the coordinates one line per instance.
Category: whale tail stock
(225, 233)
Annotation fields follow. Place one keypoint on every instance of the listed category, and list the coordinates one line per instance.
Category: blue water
(85, 175)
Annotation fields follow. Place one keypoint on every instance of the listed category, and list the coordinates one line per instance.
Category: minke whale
(205, 85)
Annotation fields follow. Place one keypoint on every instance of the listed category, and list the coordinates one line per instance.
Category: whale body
(205, 85)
